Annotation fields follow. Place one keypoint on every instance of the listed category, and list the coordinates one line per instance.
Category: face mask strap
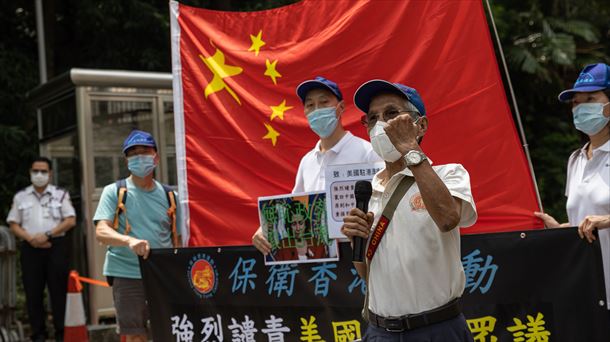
(337, 110)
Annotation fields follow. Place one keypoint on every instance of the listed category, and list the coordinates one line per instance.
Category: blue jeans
(451, 330)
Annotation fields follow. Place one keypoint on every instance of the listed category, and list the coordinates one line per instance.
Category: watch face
(413, 157)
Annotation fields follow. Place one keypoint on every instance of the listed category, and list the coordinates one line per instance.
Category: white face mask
(39, 179)
(382, 144)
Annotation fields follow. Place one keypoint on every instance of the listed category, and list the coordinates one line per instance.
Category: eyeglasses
(369, 120)
(35, 171)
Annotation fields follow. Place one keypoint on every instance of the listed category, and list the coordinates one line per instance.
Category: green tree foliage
(122, 34)
(19, 74)
(547, 43)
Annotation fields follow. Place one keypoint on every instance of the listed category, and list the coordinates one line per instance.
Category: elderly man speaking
(413, 267)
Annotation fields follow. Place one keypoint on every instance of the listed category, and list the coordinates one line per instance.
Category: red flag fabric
(243, 127)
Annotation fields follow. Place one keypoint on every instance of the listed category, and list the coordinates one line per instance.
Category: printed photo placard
(296, 227)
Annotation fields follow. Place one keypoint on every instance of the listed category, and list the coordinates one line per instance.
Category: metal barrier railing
(10, 328)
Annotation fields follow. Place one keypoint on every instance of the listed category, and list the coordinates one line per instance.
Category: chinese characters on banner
(520, 286)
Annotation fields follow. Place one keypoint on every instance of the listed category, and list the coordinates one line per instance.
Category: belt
(410, 322)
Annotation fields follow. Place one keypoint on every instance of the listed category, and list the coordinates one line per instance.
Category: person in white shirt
(588, 178)
(324, 106)
(415, 275)
(40, 216)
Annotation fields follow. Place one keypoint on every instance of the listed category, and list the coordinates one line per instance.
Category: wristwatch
(414, 157)
(48, 234)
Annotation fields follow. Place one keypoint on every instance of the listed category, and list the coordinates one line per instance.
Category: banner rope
(78, 280)
(93, 281)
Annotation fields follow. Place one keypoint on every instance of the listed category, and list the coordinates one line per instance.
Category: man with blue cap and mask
(133, 216)
(324, 106)
(413, 265)
(588, 176)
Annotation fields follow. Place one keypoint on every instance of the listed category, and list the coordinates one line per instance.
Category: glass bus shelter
(83, 117)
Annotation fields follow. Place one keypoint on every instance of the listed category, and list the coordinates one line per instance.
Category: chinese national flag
(240, 127)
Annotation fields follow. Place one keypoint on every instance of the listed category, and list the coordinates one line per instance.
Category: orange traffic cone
(75, 328)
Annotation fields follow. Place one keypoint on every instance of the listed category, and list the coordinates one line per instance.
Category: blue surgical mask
(323, 121)
(141, 165)
(589, 117)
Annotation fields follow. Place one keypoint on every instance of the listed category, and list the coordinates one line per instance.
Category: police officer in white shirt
(41, 214)
(415, 276)
(324, 106)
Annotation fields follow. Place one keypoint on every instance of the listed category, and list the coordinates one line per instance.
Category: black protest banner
(210, 293)
(540, 285)
(534, 285)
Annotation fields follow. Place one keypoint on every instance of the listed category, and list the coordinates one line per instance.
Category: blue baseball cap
(318, 83)
(370, 89)
(593, 77)
(139, 138)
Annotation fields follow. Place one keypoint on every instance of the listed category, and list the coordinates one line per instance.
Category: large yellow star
(257, 42)
(278, 111)
(271, 72)
(272, 134)
(217, 66)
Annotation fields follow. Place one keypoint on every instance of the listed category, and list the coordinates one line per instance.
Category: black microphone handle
(359, 248)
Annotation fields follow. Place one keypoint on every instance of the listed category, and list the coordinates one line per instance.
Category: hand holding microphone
(357, 224)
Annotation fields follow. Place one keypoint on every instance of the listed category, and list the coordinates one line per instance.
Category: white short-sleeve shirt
(417, 267)
(349, 150)
(38, 213)
(588, 192)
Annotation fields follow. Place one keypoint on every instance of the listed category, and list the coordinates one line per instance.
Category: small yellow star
(257, 43)
(271, 72)
(278, 111)
(272, 134)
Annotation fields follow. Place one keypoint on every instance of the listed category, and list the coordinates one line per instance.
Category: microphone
(362, 191)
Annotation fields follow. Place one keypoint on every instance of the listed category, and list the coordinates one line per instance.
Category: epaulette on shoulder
(58, 188)
(60, 193)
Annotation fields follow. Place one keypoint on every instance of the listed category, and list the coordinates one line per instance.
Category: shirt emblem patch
(417, 203)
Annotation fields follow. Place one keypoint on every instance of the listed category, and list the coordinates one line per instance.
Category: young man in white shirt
(323, 105)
